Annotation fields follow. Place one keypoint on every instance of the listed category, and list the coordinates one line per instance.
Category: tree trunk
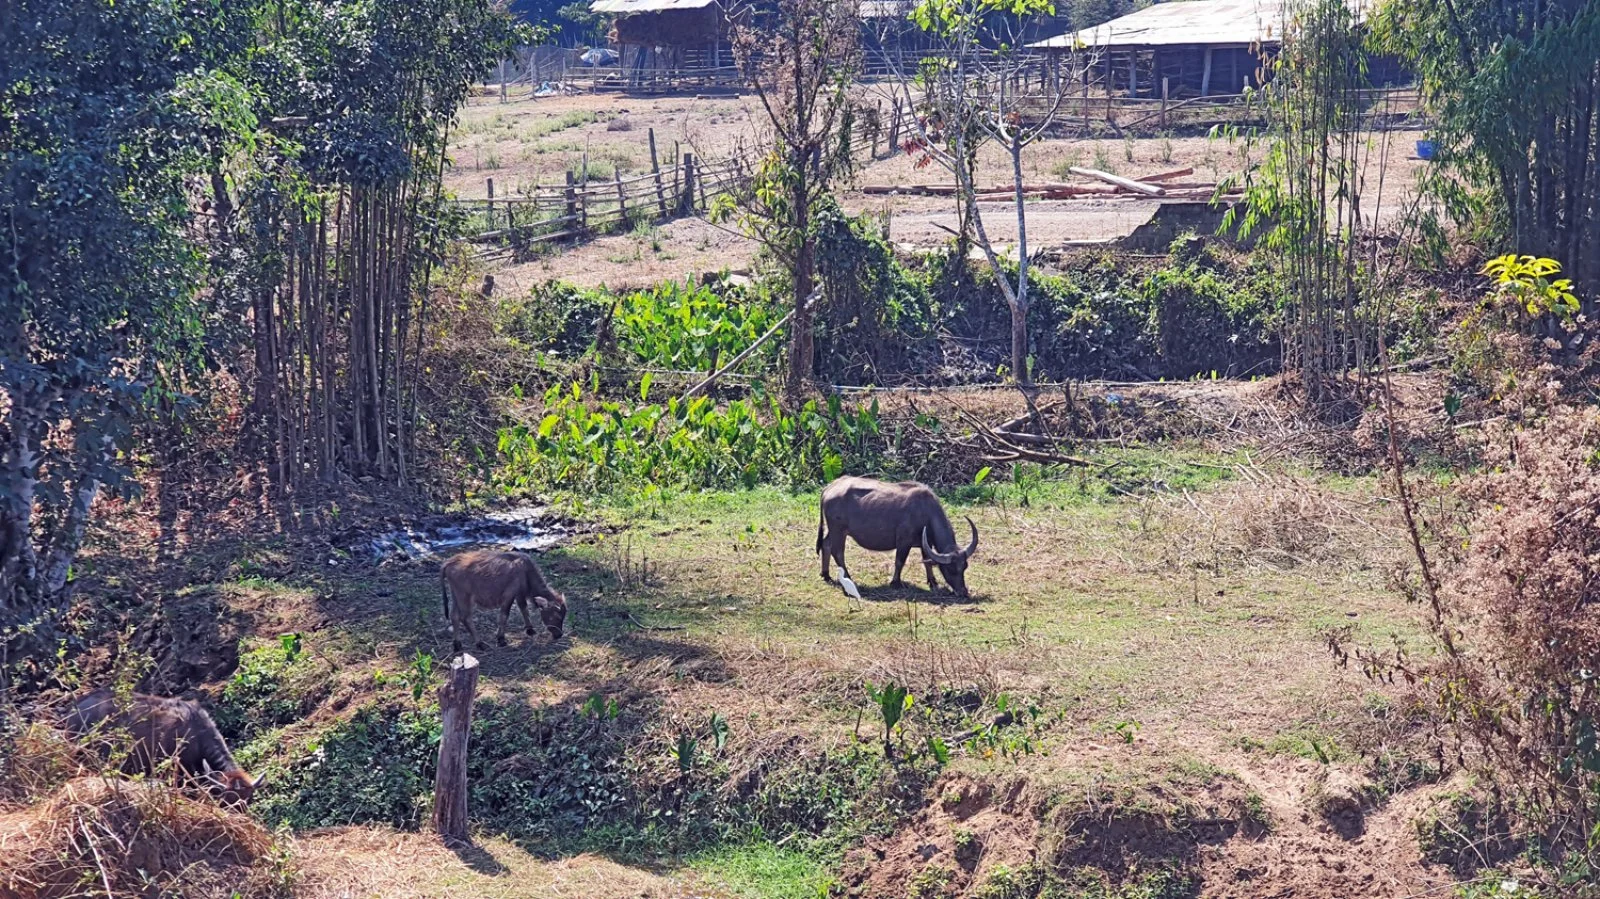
(801, 350)
(1021, 370)
(450, 785)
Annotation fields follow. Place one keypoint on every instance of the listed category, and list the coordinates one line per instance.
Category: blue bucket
(1426, 149)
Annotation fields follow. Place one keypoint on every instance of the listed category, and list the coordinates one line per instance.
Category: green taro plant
(893, 702)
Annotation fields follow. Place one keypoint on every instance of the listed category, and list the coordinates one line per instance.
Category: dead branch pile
(115, 837)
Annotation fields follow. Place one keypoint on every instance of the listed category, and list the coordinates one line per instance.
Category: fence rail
(589, 203)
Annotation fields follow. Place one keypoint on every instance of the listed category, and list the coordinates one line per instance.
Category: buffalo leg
(827, 550)
(900, 563)
(933, 585)
(466, 625)
(527, 623)
(838, 554)
(505, 616)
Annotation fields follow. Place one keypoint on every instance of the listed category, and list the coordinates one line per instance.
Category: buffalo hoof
(500, 640)
(456, 647)
(530, 632)
(897, 583)
(481, 645)
(826, 579)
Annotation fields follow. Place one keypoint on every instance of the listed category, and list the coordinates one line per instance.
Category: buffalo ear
(540, 601)
(260, 779)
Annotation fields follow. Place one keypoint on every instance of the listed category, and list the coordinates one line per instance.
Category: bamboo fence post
(686, 199)
(490, 183)
(655, 168)
(572, 201)
(622, 201)
(450, 785)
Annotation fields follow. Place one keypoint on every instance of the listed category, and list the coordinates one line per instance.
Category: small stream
(522, 527)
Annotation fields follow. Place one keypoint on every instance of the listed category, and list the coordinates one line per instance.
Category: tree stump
(450, 786)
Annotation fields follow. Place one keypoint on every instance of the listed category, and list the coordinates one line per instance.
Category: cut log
(1149, 190)
(450, 785)
(1168, 176)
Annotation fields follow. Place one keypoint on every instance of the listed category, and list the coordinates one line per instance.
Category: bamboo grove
(344, 223)
(202, 194)
(1516, 87)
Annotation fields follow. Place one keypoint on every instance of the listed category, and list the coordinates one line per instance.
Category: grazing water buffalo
(163, 729)
(883, 516)
(485, 579)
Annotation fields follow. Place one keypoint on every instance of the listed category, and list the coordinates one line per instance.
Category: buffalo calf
(161, 730)
(484, 579)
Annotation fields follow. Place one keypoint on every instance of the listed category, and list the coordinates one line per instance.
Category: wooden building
(668, 34)
(1201, 47)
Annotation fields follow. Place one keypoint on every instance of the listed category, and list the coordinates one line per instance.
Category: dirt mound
(133, 839)
(1014, 837)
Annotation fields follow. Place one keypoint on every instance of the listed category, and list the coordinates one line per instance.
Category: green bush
(556, 318)
(585, 445)
(274, 684)
(694, 328)
(378, 766)
(1111, 317)
(578, 779)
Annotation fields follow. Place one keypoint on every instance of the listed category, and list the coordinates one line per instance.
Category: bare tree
(800, 58)
(975, 89)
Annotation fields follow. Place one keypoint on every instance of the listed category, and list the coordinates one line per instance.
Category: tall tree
(106, 112)
(800, 58)
(975, 90)
(1305, 196)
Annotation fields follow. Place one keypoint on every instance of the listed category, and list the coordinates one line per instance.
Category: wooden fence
(580, 208)
(588, 203)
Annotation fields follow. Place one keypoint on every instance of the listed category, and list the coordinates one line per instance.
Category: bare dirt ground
(536, 140)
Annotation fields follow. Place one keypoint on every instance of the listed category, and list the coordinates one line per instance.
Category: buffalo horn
(935, 555)
(973, 546)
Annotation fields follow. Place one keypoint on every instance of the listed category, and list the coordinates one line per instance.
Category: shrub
(378, 766)
(274, 684)
(1514, 616)
(694, 328)
(603, 446)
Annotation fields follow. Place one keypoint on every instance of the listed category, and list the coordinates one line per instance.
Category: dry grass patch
(129, 838)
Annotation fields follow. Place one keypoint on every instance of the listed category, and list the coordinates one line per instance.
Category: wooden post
(894, 127)
(622, 202)
(1133, 74)
(1163, 103)
(572, 201)
(1205, 76)
(450, 786)
(490, 183)
(655, 168)
(502, 81)
(686, 199)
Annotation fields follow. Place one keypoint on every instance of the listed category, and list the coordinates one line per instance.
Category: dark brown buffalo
(881, 516)
(485, 579)
(161, 730)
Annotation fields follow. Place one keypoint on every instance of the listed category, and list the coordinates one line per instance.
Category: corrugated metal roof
(1177, 22)
(625, 7)
(887, 9)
